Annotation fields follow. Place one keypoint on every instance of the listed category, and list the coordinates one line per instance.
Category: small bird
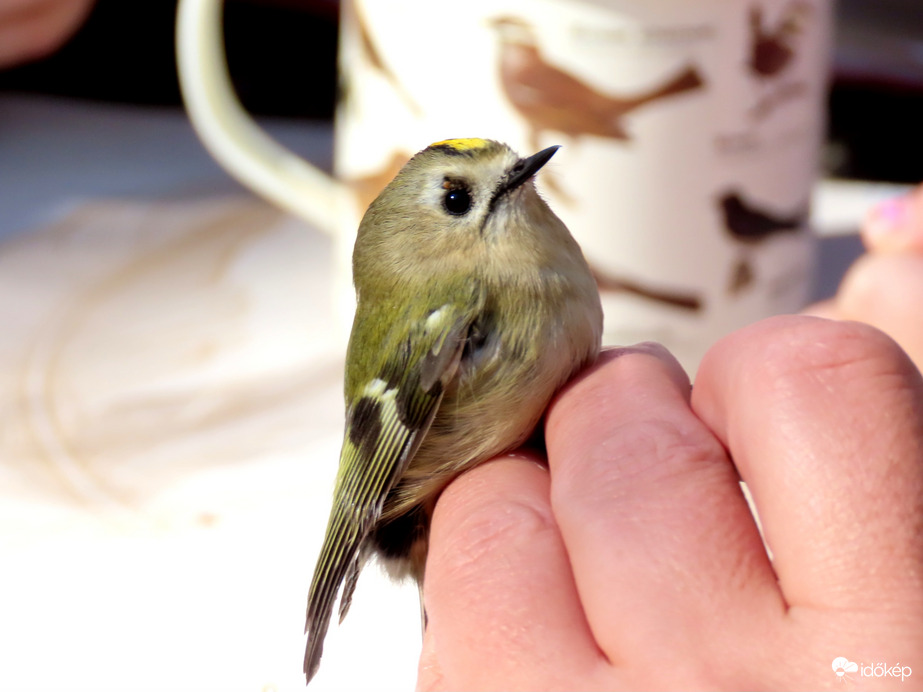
(474, 306)
(773, 49)
(549, 98)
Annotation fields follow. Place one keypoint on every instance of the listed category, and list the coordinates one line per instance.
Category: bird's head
(457, 198)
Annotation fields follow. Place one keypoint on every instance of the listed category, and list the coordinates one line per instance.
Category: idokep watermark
(845, 669)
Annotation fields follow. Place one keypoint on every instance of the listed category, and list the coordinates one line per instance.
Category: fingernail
(888, 217)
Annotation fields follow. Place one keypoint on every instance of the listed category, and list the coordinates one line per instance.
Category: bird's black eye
(457, 201)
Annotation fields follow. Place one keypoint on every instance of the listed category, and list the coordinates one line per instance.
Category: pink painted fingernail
(888, 217)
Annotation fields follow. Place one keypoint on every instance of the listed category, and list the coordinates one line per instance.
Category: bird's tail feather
(338, 561)
(352, 575)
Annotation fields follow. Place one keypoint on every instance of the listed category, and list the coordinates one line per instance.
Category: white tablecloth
(170, 391)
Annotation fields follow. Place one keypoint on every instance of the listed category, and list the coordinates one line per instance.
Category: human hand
(635, 563)
(32, 29)
(884, 287)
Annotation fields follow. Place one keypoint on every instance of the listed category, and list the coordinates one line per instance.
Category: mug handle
(229, 133)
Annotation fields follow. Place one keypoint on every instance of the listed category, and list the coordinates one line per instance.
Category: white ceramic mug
(691, 135)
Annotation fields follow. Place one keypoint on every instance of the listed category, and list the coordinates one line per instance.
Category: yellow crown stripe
(466, 144)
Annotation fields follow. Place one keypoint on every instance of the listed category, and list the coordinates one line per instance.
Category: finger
(896, 224)
(499, 594)
(823, 419)
(886, 291)
(661, 540)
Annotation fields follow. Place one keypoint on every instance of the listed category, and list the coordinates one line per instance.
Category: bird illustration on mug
(774, 48)
(551, 99)
(749, 224)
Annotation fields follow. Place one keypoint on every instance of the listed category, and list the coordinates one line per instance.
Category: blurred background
(124, 53)
(117, 74)
(170, 408)
(876, 102)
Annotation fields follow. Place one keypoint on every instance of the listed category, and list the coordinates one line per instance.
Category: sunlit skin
(632, 562)
(628, 559)
(884, 287)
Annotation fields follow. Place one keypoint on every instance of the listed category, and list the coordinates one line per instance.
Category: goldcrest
(474, 306)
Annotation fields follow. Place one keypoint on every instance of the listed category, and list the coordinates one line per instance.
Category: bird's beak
(525, 169)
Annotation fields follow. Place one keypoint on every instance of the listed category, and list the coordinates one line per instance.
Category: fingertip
(895, 224)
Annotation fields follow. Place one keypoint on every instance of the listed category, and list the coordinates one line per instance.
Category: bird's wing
(385, 422)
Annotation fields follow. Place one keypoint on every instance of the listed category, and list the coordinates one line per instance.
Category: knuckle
(500, 524)
(489, 523)
(830, 353)
(639, 460)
